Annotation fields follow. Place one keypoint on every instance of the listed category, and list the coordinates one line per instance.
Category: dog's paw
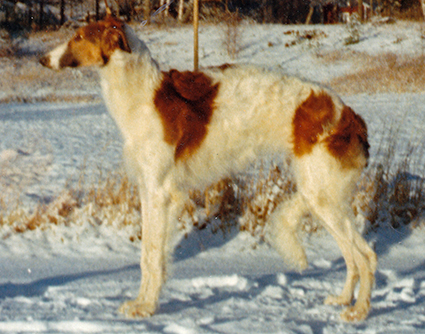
(137, 309)
(337, 300)
(354, 313)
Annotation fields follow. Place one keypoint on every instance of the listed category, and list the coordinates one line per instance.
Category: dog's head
(91, 45)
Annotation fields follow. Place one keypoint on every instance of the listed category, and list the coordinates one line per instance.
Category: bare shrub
(217, 207)
(232, 33)
(262, 195)
(354, 30)
(311, 37)
(390, 193)
(247, 200)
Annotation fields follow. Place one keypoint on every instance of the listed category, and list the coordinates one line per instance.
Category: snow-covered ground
(71, 279)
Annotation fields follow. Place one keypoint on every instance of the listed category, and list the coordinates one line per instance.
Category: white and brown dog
(188, 129)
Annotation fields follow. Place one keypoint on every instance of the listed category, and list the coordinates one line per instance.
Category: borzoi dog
(187, 129)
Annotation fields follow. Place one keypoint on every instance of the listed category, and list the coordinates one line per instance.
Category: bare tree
(423, 7)
(97, 10)
(180, 13)
(147, 10)
(41, 14)
(62, 12)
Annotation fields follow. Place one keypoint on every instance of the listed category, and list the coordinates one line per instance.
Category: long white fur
(252, 118)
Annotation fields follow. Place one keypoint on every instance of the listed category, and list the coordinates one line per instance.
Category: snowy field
(72, 279)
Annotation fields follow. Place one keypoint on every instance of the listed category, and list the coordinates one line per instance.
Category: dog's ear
(114, 38)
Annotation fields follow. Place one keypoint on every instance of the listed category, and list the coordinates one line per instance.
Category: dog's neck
(129, 81)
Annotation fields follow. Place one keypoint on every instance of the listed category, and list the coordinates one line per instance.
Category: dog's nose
(45, 61)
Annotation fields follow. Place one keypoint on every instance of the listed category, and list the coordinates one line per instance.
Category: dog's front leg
(155, 235)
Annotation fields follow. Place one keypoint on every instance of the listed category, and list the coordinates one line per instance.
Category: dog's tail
(283, 232)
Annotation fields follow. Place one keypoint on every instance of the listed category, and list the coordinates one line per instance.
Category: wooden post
(195, 34)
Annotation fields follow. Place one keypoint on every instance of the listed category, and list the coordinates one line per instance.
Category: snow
(72, 279)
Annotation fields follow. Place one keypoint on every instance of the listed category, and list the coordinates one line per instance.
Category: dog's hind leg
(360, 260)
(283, 232)
(363, 261)
(327, 189)
(340, 229)
(361, 265)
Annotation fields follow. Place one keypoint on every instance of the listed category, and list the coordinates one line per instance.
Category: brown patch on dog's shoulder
(348, 141)
(310, 120)
(185, 102)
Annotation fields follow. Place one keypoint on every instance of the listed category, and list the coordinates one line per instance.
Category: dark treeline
(41, 14)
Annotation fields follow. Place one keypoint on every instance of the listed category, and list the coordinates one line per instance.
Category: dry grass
(388, 194)
(387, 73)
(112, 200)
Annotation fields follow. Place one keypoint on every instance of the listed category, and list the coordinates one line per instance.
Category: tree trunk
(30, 16)
(360, 10)
(423, 7)
(97, 10)
(168, 2)
(40, 14)
(147, 10)
(180, 14)
(62, 13)
(310, 14)
(161, 6)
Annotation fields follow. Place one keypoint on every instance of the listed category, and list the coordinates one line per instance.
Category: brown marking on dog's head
(185, 102)
(348, 141)
(95, 43)
(310, 120)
